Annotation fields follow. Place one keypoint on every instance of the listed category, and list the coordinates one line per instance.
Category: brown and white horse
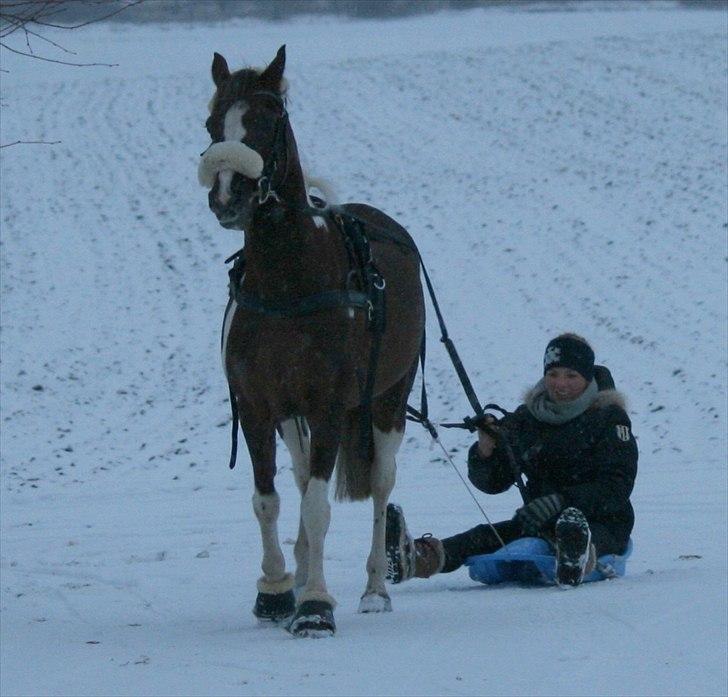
(297, 341)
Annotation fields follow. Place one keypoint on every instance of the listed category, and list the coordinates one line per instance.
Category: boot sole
(573, 539)
(392, 543)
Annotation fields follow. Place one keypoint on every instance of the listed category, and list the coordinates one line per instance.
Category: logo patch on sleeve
(622, 432)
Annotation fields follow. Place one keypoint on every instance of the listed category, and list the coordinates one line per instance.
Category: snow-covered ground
(560, 171)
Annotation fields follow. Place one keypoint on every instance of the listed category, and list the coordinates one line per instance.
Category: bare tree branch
(129, 3)
(20, 16)
(31, 142)
(53, 60)
(30, 18)
(38, 16)
(47, 40)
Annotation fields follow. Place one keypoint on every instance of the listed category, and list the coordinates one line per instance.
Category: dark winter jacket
(590, 460)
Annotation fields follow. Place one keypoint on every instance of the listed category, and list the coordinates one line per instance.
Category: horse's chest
(290, 360)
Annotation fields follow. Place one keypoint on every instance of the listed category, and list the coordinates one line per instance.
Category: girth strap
(305, 306)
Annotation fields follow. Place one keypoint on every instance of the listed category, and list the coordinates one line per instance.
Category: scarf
(543, 409)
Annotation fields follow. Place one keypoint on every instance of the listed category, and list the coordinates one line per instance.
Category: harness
(365, 291)
(365, 284)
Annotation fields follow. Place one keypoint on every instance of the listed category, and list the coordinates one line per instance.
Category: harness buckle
(265, 193)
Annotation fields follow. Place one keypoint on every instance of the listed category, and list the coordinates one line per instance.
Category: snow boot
(575, 554)
(408, 558)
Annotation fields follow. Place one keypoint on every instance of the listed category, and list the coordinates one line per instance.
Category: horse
(321, 339)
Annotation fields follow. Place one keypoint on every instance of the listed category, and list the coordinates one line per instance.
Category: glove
(533, 516)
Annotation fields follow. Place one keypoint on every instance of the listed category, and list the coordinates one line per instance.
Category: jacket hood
(608, 395)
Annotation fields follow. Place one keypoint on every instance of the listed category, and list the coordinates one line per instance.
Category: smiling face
(243, 115)
(564, 384)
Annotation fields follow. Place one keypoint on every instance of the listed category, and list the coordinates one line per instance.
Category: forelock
(237, 86)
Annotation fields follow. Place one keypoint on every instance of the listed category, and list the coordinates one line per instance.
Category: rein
(482, 419)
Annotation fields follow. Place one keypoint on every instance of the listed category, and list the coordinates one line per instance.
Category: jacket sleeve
(614, 459)
(488, 473)
(493, 474)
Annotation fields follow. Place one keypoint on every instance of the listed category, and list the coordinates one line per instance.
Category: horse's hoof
(275, 607)
(314, 619)
(375, 602)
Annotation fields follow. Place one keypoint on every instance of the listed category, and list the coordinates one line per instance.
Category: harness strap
(234, 433)
(452, 351)
(305, 306)
(266, 188)
(233, 401)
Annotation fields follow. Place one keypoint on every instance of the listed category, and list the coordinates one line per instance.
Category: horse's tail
(354, 464)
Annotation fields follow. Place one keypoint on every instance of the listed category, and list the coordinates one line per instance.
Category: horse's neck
(290, 257)
(286, 253)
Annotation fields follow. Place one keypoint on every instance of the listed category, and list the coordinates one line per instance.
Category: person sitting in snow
(573, 441)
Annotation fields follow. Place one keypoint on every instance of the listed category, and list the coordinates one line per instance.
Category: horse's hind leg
(388, 416)
(275, 600)
(386, 444)
(295, 435)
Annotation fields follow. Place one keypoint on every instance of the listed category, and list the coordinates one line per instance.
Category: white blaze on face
(225, 157)
(233, 131)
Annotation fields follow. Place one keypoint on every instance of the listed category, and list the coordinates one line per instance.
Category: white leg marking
(274, 578)
(229, 314)
(386, 445)
(316, 515)
(295, 436)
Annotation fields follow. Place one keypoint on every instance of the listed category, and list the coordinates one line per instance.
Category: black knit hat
(569, 352)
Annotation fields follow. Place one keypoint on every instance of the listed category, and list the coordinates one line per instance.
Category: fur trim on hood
(604, 399)
(607, 398)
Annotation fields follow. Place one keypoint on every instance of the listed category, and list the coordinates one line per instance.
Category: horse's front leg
(386, 445)
(275, 600)
(295, 435)
(315, 613)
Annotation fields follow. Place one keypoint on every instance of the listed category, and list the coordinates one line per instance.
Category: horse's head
(248, 125)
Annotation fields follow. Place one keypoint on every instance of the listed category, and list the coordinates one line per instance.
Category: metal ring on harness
(265, 193)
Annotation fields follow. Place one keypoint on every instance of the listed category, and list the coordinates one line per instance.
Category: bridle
(269, 174)
(267, 186)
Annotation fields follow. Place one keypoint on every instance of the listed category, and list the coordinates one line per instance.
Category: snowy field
(560, 171)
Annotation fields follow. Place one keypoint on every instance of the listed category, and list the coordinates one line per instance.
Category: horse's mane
(318, 186)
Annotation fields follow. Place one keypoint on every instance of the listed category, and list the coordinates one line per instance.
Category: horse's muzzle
(231, 215)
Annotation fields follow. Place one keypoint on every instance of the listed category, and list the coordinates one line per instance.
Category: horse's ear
(272, 76)
(220, 70)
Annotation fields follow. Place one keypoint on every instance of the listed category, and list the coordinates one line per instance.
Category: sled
(531, 561)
